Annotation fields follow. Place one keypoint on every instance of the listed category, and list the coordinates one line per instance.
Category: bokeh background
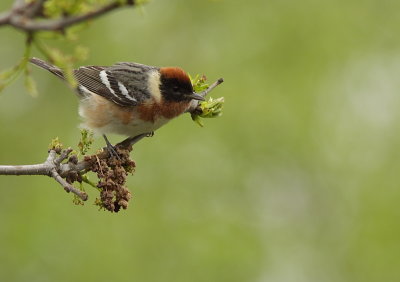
(298, 181)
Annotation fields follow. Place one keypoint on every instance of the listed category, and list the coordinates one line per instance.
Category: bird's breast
(167, 110)
(103, 116)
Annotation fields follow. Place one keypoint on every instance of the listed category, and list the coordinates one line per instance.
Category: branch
(23, 16)
(5, 18)
(36, 169)
(55, 168)
(50, 167)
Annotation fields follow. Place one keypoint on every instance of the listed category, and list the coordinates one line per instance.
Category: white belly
(102, 117)
(131, 129)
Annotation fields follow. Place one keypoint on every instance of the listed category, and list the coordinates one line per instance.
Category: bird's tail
(47, 66)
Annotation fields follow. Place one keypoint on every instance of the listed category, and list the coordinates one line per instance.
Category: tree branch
(23, 16)
(5, 18)
(36, 169)
(50, 168)
(55, 168)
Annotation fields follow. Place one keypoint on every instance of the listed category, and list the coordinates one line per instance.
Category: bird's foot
(111, 149)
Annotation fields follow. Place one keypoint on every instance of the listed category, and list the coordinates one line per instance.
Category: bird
(128, 98)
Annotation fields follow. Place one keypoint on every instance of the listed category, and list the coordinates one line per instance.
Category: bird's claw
(112, 150)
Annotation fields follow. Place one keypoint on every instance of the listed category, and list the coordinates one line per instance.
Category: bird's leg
(111, 149)
(133, 140)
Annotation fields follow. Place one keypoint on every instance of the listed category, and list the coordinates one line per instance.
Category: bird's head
(175, 85)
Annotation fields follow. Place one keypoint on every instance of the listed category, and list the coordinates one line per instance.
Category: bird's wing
(125, 84)
(102, 81)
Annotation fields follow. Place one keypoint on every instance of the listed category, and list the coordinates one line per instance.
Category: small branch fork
(23, 16)
(56, 167)
(50, 167)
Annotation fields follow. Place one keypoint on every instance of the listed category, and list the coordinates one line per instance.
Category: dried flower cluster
(112, 173)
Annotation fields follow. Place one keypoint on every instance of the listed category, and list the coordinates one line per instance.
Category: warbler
(128, 98)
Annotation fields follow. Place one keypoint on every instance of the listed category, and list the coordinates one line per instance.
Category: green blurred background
(298, 181)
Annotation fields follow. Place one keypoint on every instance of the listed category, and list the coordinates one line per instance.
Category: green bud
(86, 141)
(208, 109)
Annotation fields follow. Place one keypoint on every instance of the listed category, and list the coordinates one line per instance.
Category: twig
(211, 87)
(195, 103)
(68, 187)
(64, 154)
(23, 15)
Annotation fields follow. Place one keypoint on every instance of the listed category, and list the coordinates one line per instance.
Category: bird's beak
(196, 96)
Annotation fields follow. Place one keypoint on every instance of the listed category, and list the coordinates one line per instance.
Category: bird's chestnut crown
(175, 84)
